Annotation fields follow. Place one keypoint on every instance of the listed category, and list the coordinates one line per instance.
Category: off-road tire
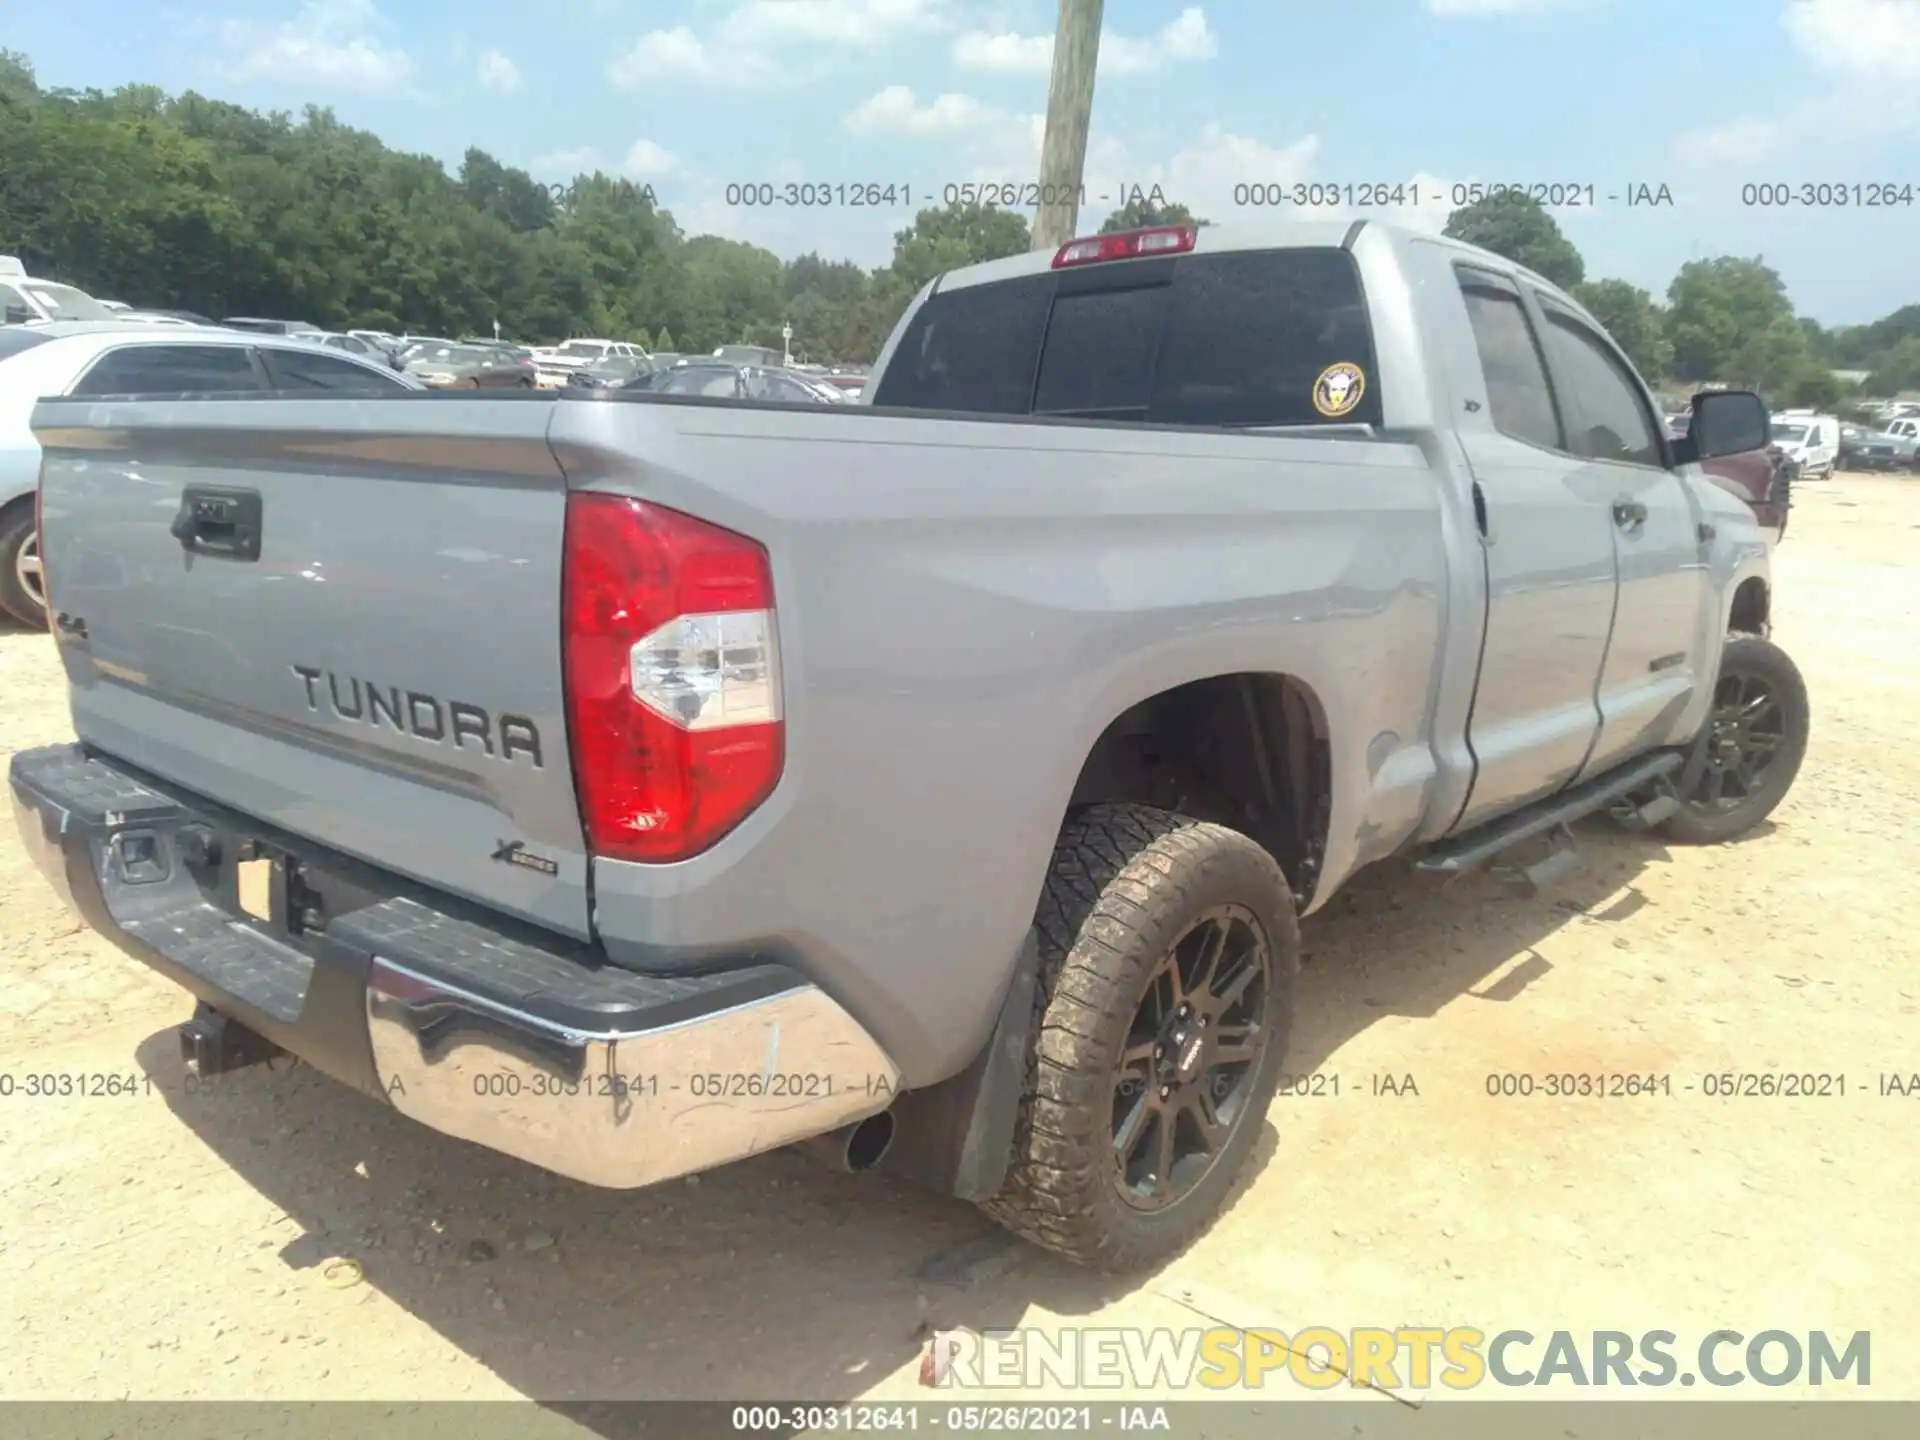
(16, 527)
(1126, 883)
(1750, 654)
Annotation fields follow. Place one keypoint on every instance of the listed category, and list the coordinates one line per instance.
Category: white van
(1813, 440)
(27, 301)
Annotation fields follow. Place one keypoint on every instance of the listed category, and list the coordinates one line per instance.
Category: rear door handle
(215, 520)
(1629, 515)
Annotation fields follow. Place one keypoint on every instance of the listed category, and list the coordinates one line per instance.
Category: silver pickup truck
(633, 783)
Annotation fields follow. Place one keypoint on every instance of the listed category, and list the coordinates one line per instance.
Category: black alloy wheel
(1192, 1056)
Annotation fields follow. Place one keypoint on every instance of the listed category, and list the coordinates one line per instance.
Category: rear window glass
(1275, 337)
(1098, 358)
(170, 370)
(972, 350)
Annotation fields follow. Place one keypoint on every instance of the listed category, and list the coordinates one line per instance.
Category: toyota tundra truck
(632, 783)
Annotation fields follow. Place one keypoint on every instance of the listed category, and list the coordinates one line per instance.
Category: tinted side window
(170, 370)
(1518, 396)
(722, 383)
(1613, 423)
(1249, 337)
(972, 350)
(1099, 353)
(783, 388)
(297, 370)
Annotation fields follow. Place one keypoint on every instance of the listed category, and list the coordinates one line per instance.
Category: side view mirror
(1725, 422)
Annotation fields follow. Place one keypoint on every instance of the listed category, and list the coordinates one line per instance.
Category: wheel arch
(1247, 749)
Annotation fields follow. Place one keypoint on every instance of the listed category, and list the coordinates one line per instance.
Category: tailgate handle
(214, 520)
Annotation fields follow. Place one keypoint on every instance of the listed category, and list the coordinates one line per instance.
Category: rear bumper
(480, 1028)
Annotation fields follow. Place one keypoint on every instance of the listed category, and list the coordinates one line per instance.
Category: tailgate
(380, 673)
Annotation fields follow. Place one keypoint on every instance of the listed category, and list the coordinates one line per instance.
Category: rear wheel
(1756, 740)
(1169, 949)
(23, 593)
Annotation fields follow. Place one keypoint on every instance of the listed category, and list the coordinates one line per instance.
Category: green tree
(960, 234)
(1729, 315)
(1898, 369)
(1139, 213)
(1518, 227)
(1815, 387)
(1629, 315)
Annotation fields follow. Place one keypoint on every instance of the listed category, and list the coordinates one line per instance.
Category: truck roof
(1278, 235)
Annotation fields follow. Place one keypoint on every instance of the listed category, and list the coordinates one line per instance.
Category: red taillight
(1161, 240)
(672, 675)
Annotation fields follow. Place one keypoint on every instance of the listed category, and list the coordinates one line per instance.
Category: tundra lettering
(422, 716)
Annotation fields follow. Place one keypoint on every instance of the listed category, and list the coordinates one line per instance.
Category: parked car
(25, 300)
(1904, 428)
(115, 357)
(554, 365)
(1864, 449)
(750, 355)
(742, 382)
(1811, 441)
(343, 340)
(611, 373)
(467, 367)
(166, 317)
(269, 327)
(506, 347)
(715, 756)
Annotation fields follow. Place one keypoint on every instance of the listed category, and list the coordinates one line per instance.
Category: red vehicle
(1762, 478)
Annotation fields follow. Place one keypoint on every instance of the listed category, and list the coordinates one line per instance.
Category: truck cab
(25, 300)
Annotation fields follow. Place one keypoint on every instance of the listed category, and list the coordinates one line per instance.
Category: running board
(1449, 859)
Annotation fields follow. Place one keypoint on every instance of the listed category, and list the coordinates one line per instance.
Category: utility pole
(1063, 154)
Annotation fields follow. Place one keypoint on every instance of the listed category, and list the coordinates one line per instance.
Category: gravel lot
(176, 1243)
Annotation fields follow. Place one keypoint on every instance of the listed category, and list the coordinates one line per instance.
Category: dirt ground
(174, 1244)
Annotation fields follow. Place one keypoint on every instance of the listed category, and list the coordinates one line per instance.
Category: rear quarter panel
(963, 607)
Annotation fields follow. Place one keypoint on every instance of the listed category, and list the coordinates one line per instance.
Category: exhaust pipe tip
(853, 1148)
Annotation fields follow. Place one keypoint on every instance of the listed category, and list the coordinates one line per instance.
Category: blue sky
(1197, 98)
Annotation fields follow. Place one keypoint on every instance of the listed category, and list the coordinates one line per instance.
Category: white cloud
(1866, 55)
(755, 44)
(1739, 142)
(1203, 175)
(1451, 9)
(497, 73)
(897, 111)
(648, 161)
(663, 55)
(862, 23)
(1186, 37)
(1183, 38)
(569, 163)
(332, 44)
(1007, 54)
(1869, 39)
